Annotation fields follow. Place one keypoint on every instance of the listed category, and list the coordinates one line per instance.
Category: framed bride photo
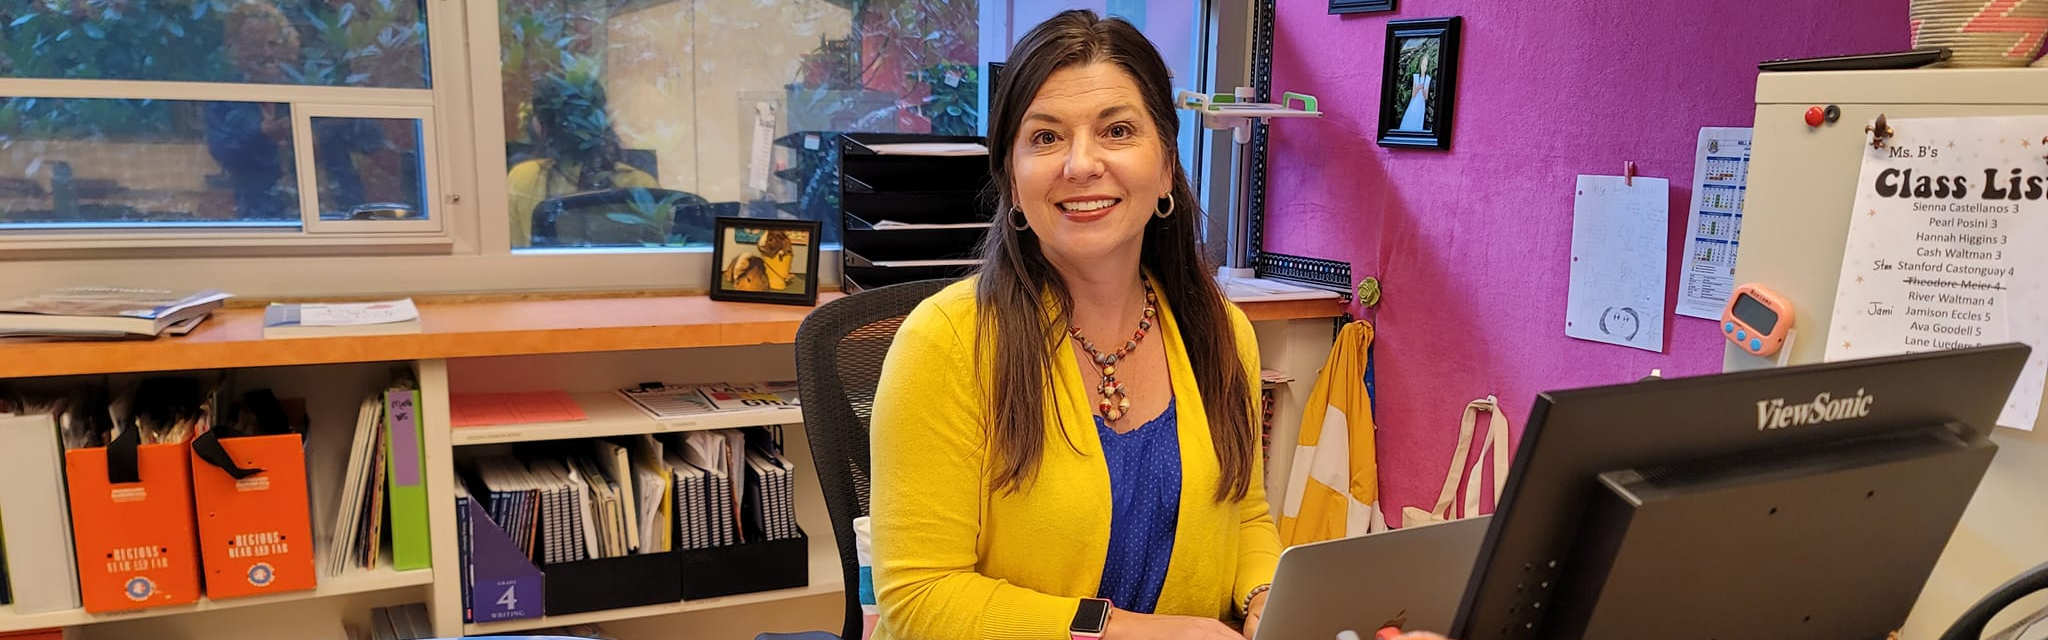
(1418, 86)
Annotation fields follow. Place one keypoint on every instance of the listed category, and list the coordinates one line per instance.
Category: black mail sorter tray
(746, 568)
(612, 583)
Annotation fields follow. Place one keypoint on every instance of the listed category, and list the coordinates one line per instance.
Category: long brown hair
(1015, 273)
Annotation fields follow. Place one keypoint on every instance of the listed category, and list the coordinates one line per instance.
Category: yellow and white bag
(1333, 490)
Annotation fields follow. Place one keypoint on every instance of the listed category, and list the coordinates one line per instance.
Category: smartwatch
(1090, 619)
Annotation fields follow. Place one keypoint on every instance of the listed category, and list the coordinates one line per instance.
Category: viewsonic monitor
(1805, 502)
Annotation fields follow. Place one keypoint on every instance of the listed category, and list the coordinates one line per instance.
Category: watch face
(1091, 617)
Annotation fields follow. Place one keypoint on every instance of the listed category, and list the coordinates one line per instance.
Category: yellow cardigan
(954, 559)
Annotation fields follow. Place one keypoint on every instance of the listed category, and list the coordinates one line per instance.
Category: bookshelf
(588, 348)
(352, 583)
(686, 606)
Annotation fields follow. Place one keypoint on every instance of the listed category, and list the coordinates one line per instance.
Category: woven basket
(1982, 33)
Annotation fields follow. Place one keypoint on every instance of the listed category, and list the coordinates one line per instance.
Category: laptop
(1413, 578)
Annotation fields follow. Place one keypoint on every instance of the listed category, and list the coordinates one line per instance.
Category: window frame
(309, 181)
(273, 239)
(471, 250)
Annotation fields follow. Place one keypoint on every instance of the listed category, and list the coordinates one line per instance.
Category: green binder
(406, 481)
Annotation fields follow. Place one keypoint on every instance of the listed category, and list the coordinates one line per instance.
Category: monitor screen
(1752, 312)
(1579, 446)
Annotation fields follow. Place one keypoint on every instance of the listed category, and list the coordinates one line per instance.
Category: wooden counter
(233, 338)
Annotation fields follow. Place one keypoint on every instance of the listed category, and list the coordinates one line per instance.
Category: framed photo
(1360, 6)
(1419, 85)
(765, 260)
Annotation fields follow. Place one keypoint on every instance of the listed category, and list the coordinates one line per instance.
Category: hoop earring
(1169, 208)
(1018, 221)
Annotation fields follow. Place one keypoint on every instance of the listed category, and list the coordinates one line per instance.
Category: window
(248, 115)
(698, 109)
(690, 107)
(475, 145)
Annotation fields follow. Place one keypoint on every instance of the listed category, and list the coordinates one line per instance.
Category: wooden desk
(233, 338)
(587, 347)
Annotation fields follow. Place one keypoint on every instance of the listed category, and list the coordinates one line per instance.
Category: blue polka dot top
(1144, 486)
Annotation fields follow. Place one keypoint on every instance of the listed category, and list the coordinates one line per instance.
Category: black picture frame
(1338, 7)
(1397, 82)
(741, 272)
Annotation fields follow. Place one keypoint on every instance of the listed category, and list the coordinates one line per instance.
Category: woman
(1416, 117)
(252, 141)
(571, 127)
(1076, 422)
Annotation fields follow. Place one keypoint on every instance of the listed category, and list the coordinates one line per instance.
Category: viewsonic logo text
(1824, 408)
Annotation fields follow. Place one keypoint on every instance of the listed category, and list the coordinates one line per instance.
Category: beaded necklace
(1115, 401)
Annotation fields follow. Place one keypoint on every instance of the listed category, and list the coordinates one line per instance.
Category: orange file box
(255, 533)
(134, 529)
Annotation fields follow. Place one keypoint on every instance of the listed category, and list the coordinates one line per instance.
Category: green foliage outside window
(376, 43)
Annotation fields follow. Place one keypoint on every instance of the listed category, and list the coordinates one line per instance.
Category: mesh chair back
(839, 353)
(633, 216)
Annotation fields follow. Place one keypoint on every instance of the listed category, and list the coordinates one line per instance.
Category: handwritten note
(1617, 281)
(1720, 178)
(1944, 247)
(347, 315)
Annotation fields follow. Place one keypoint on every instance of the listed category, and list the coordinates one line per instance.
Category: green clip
(1308, 102)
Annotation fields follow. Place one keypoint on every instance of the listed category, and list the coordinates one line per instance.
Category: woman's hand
(275, 126)
(1251, 615)
(1130, 625)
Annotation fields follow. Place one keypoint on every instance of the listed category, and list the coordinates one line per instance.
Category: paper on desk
(892, 224)
(348, 315)
(1617, 268)
(1720, 176)
(930, 149)
(706, 450)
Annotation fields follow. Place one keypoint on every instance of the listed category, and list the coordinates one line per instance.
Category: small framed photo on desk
(765, 260)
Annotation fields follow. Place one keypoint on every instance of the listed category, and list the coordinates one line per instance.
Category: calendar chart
(1719, 183)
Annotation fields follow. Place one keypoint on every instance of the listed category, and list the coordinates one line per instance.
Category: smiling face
(1620, 322)
(1088, 167)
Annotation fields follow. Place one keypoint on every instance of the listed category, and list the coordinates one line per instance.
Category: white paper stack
(653, 482)
(37, 522)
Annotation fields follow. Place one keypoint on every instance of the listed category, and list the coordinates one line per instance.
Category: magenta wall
(1472, 244)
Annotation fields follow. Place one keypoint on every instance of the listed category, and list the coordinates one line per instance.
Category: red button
(1815, 116)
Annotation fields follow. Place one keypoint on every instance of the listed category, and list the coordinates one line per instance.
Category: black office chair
(612, 217)
(1971, 625)
(839, 352)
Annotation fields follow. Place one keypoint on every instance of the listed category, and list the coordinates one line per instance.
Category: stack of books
(105, 313)
(383, 494)
(570, 501)
(397, 622)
